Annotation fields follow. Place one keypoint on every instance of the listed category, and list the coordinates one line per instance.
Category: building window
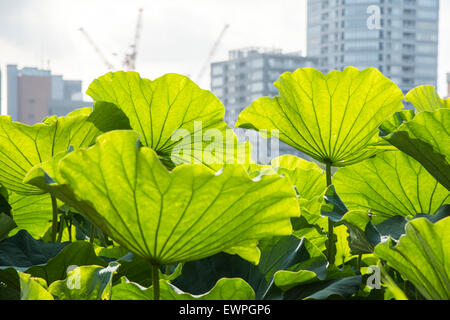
(217, 70)
(257, 86)
(217, 82)
(257, 63)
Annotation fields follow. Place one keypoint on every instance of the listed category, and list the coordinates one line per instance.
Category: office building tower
(249, 74)
(34, 94)
(398, 37)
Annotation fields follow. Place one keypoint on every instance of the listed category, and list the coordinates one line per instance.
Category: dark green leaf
(23, 251)
(79, 253)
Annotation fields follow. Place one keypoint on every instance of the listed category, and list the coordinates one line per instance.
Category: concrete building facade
(33, 94)
(247, 75)
(398, 37)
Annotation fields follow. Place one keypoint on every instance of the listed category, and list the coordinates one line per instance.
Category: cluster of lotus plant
(131, 199)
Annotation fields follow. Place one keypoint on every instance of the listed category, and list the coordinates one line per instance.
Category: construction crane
(129, 61)
(97, 49)
(205, 66)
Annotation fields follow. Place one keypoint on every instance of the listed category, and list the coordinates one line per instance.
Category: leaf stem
(358, 263)
(55, 218)
(91, 234)
(155, 280)
(331, 251)
(61, 229)
(69, 222)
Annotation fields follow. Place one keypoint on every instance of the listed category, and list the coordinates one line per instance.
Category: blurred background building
(249, 74)
(399, 37)
(448, 85)
(33, 94)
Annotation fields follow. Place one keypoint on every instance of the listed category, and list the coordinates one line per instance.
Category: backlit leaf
(422, 256)
(388, 185)
(23, 146)
(173, 116)
(425, 98)
(32, 213)
(170, 217)
(33, 288)
(426, 138)
(333, 118)
(85, 283)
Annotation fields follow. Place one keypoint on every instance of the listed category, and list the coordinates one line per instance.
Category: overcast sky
(177, 35)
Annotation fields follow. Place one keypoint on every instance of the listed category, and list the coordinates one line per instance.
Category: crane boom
(97, 49)
(211, 53)
(130, 59)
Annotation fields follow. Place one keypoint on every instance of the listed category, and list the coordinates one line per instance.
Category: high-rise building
(249, 74)
(34, 94)
(399, 37)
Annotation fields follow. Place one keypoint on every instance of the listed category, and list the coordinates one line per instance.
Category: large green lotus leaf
(32, 213)
(425, 98)
(174, 116)
(424, 137)
(85, 283)
(388, 185)
(170, 217)
(333, 118)
(23, 146)
(422, 256)
(23, 251)
(33, 288)
(224, 289)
